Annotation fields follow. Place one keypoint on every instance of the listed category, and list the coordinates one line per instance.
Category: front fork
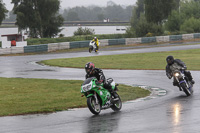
(96, 99)
(177, 80)
(180, 82)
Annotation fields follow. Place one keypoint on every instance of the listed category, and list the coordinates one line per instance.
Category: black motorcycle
(183, 82)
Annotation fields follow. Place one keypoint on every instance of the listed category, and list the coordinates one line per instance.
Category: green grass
(37, 41)
(153, 61)
(28, 96)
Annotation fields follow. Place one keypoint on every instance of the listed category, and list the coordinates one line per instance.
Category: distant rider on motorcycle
(96, 40)
(91, 71)
(177, 64)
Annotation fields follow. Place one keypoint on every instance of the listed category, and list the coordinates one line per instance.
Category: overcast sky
(73, 3)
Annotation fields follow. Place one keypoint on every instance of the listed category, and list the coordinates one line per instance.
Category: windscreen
(88, 80)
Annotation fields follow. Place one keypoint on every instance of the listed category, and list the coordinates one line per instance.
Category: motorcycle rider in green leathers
(91, 71)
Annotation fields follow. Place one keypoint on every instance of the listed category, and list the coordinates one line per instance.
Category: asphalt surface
(172, 113)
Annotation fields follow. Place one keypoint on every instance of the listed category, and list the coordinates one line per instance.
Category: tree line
(95, 13)
(147, 17)
(40, 17)
(164, 17)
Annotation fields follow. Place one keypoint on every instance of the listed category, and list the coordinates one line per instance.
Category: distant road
(83, 23)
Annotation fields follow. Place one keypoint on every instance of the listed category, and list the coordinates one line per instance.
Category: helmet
(89, 67)
(95, 38)
(170, 60)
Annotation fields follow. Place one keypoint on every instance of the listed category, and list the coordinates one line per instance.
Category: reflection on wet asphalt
(173, 113)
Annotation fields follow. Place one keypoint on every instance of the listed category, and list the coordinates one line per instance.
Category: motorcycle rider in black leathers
(91, 71)
(177, 64)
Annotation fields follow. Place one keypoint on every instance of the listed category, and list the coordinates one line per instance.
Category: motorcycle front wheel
(185, 89)
(93, 106)
(90, 50)
(117, 105)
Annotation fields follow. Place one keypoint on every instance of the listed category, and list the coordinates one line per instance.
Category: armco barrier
(58, 46)
(36, 48)
(196, 35)
(17, 50)
(116, 42)
(64, 45)
(133, 41)
(104, 42)
(175, 38)
(148, 39)
(162, 39)
(5, 51)
(79, 44)
(187, 36)
(53, 47)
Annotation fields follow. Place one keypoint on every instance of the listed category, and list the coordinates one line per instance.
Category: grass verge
(30, 96)
(153, 61)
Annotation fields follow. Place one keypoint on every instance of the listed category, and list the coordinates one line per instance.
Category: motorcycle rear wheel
(93, 106)
(117, 105)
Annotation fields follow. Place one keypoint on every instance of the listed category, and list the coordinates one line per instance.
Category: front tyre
(93, 106)
(117, 105)
(90, 50)
(185, 89)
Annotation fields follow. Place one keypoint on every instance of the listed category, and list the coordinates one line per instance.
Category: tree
(188, 13)
(39, 16)
(100, 17)
(158, 10)
(143, 28)
(82, 31)
(174, 21)
(72, 16)
(190, 9)
(191, 25)
(3, 11)
(114, 13)
(136, 13)
(95, 13)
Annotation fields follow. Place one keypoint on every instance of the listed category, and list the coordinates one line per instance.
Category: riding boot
(109, 88)
(112, 92)
(189, 75)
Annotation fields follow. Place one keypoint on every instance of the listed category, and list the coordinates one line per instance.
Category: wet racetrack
(172, 113)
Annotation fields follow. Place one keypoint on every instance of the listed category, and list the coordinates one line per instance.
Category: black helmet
(89, 67)
(170, 60)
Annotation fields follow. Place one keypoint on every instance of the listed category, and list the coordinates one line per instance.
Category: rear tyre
(93, 106)
(117, 105)
(185, 89)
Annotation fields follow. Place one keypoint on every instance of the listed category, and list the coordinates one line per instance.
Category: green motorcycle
(99, 98)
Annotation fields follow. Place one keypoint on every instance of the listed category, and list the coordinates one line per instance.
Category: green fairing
(90, 95)
(99, 89)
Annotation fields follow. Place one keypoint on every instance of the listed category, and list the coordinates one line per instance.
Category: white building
(6, 40)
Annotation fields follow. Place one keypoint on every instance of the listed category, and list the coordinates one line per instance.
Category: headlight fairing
(176, 74)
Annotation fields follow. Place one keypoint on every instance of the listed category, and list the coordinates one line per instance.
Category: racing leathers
(178, 65)
(98, 73)
(96, 42)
